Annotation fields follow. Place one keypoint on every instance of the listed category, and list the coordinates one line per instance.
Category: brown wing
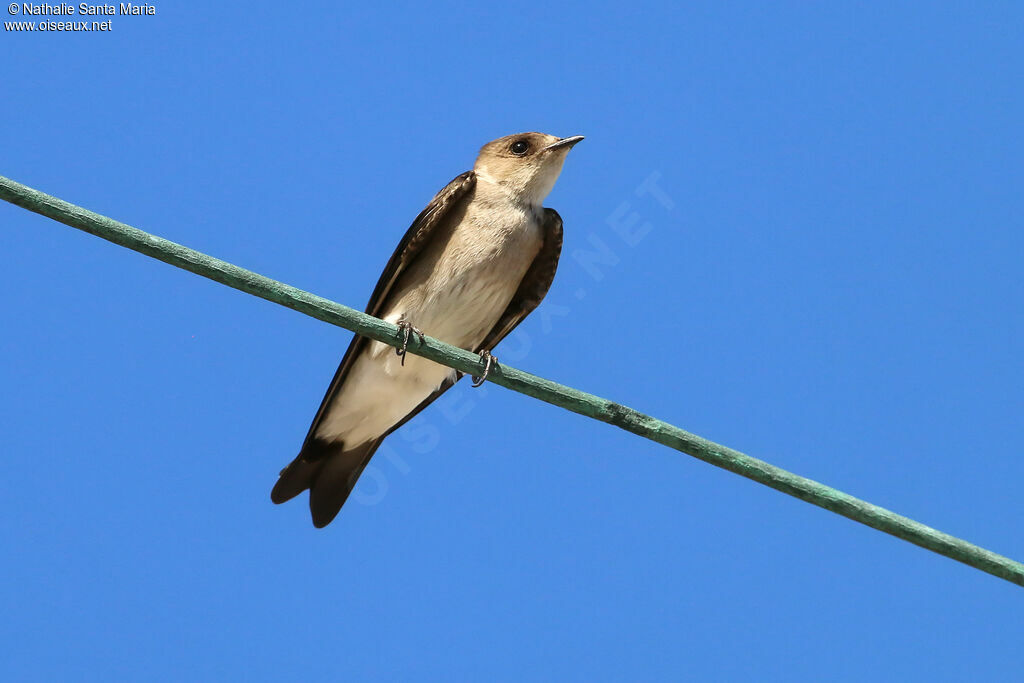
(326, 468)
(408, 249)
(535, 284)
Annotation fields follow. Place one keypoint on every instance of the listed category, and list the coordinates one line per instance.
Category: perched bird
(473, 264)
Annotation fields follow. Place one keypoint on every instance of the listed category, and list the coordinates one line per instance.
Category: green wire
(517, 380)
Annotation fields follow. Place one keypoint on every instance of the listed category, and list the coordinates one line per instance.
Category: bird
(474, 263)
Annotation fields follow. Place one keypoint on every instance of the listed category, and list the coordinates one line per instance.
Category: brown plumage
(475, 262)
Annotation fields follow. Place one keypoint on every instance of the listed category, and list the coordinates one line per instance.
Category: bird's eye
(520, 147)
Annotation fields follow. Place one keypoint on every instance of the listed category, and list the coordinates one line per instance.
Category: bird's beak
(564, 142)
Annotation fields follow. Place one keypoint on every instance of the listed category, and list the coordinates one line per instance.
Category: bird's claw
(405, 330)
(488, 360)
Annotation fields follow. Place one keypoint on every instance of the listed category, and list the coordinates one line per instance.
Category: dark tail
(329, 471)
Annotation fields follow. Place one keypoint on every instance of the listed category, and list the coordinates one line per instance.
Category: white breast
(457, 290)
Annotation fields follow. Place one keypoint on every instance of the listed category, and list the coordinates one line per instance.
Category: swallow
(476, 261)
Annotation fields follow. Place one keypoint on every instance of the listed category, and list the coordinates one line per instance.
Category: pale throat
(521, 188)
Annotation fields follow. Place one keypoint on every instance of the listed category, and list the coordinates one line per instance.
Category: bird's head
(524, 165)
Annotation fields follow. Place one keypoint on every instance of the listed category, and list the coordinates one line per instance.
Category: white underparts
(456, 291)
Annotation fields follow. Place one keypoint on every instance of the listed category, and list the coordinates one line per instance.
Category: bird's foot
(489, 361)
(405, 330)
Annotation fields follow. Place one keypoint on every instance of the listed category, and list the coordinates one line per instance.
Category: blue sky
(830, 282)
